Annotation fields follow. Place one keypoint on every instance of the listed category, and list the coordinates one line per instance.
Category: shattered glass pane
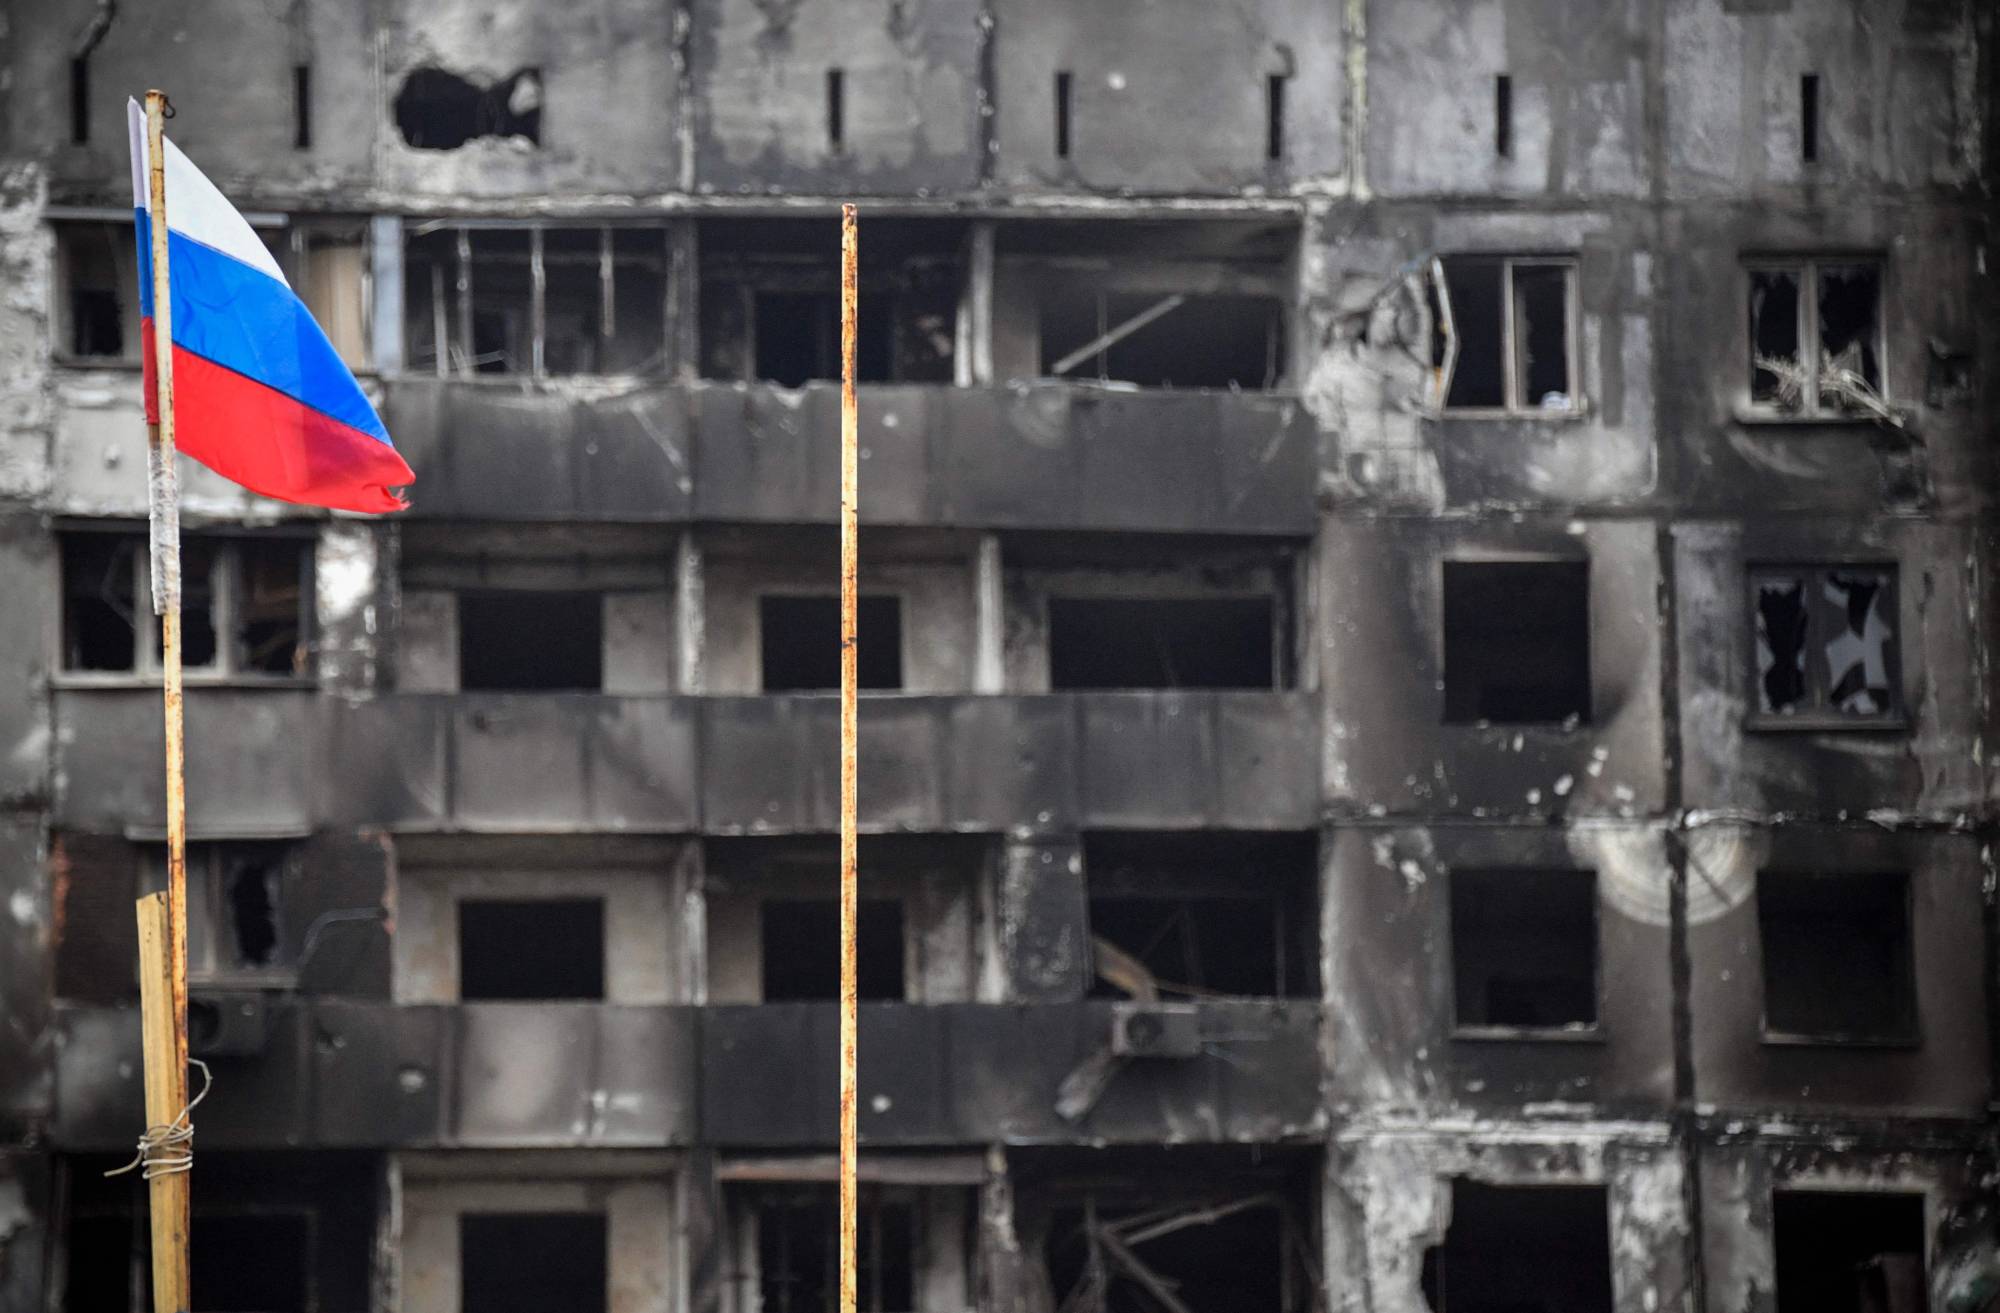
(1855, 633)
(1781, 643)
(1848, 298)
(1774, 334)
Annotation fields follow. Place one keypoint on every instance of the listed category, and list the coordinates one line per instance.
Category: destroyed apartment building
(1428, 589)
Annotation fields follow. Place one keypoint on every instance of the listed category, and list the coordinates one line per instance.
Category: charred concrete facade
(1428, 583)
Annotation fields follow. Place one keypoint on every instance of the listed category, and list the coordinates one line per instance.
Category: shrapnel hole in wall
(1837, 956)
(525, 640)
(798, 638)
(1524, 948)
(533, 1262)
(1163, 642)
(801, 949)
(436, 109)
(1522, 1249)
(1840, 1252)
(1516, 642)
(531, 948)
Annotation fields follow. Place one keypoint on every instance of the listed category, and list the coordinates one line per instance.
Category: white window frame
(1513, 405)
(1807, 268)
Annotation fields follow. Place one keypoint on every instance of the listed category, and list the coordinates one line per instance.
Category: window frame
(226, 590)
(1817, 718)
(1807, 267)
(1512, 406)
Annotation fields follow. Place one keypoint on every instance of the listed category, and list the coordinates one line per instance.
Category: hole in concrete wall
(531, 949)
(1209, 913)
(1522, 1249)
(1809, 117)
(530, 641)
(1274, 117)
(1516, 641)
(533, 1262)
(1163, 642)
(249, 1262)
(1826, 642)
(251, 888)
(1848, 1253)
(801, 941)
(1837, 956)
(99, 596)
(797, 1254)
(836, 110)
(1062, 115)
(79, 101)
(1524, 948)
(439, 110)
(98, 1265)
(798, 641)
(302, 123)
(1503, 116)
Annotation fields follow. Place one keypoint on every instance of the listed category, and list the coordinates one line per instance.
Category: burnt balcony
(1032, 456)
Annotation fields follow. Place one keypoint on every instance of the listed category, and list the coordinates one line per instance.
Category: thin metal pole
(169, 1192)
(849, 637)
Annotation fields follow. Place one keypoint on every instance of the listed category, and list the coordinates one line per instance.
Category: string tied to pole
(169, 1149)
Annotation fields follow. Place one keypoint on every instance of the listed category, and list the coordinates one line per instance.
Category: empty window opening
(770, 301)
(1514, 321)
(1237, 1251)
(836, 110)
(801, 943)
(1516, 642)
(1816, 337)
(99, 291)
(1522, 1249)
(531, 949)
(439, 110)
(797, 1257)
(1155, 339)
(1827, 647)
(1524, 949)
(1166, 642)
(1809, 118)
(1503, 116)
(252, 893)
(245, 606)
(249, 1262)
(302, 124)
(1062, 115)
(99, 1264)
(1837, 958)
(798, 641)
(1848, 1253)
(533, 1262)
(1274, 117)
(530, 641)
(79, 101)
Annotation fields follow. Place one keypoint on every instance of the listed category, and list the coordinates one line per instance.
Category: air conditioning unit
(226, 1023)
(1155, 1030)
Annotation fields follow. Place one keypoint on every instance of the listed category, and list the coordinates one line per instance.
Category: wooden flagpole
(165, 1027)
(849, 636)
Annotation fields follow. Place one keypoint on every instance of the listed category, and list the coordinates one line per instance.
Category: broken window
(1516, 642)
(770, 301)
(533, 1262)
(1163, 642)
(1522, 1249)
(250, 1262)
(1827, 649)
(1837, 957)
(439, 110)
(540, 300)
(246, 606)
(798, 639)
(1849, 1252)
(1524, 949)
(1515, 343)
(801, 943)
(1816, 337)
(237, 927)
(529, 640)
(549, 948)
(797, 1252)
(99, 301)
(1202, 915)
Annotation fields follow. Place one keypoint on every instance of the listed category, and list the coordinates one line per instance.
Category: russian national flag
(260, 395)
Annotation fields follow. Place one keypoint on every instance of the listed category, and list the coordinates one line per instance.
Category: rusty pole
(849, 637)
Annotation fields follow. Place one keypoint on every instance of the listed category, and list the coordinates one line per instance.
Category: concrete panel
(30, 577)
